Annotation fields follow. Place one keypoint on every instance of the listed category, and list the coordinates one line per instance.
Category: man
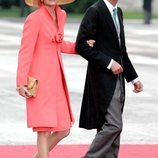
(108, 65)
(147, 6)
(24, 9)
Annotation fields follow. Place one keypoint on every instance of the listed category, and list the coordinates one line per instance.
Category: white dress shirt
(110, 6)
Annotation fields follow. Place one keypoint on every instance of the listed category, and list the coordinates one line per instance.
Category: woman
(49, 113)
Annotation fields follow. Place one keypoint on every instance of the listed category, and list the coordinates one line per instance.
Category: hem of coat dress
(50, 129)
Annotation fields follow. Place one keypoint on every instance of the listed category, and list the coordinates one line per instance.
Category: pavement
(140, 113)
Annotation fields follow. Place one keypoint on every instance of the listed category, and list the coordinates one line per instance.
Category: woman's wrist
(20, 87)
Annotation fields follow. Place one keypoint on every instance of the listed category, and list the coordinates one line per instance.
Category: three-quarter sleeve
(28, 43)
(68, 47)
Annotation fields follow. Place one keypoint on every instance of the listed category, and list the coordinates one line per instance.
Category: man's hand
(22, 90)
(116, 68)
(138, 87)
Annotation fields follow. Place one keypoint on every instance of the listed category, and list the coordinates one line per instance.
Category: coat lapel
(106, 16)
(60, 19)
(121, 27)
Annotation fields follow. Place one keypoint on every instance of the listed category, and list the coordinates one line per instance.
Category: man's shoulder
(93, 7)
(120, 11)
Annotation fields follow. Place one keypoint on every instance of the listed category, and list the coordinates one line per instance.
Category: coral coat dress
(40, 57)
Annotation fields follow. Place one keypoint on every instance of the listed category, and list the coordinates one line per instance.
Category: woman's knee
(67, 132)
(64, 133)
(44, 134)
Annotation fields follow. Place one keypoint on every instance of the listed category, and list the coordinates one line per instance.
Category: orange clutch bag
(32, 86)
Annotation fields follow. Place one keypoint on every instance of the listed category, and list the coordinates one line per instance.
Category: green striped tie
(114, 17)
(116, 22)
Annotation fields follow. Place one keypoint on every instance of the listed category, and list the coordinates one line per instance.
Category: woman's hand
(91, 42)
(23, 91)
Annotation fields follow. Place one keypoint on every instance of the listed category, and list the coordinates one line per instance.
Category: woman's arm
(68, 47)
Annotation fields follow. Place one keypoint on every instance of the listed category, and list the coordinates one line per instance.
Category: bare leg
(57, 137)
(52, 141)
(42, 144)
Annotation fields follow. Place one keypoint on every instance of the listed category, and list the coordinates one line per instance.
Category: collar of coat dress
(61, 17)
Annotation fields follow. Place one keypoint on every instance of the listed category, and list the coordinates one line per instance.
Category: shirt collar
(110, 6)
